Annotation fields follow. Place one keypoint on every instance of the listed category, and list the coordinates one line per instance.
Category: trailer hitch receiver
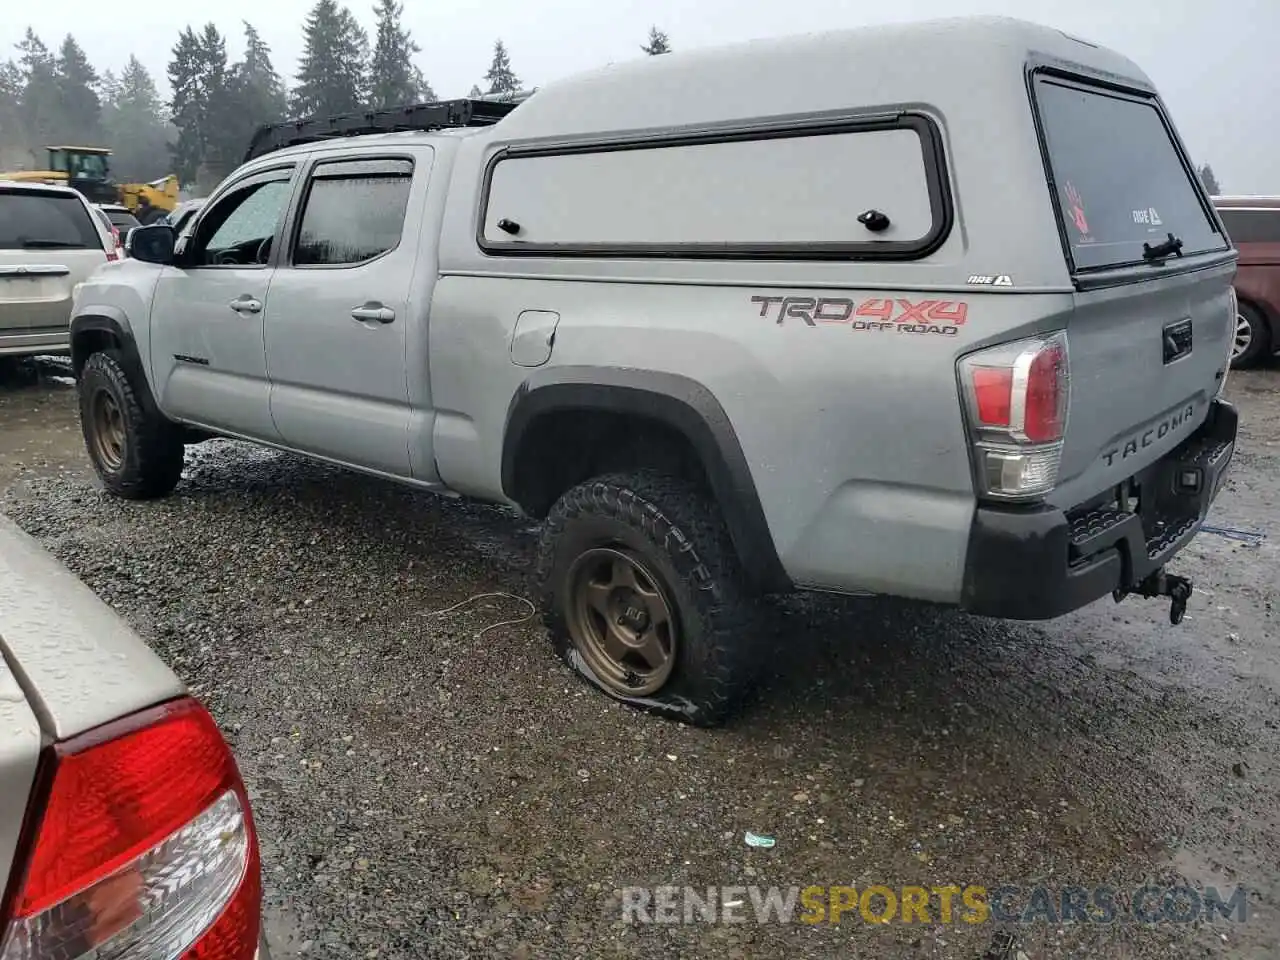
(1161, 584)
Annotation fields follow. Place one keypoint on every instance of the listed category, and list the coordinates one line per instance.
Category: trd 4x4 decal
(938, 317)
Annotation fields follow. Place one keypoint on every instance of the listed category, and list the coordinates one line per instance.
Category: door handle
(246, 304)
(375, 312)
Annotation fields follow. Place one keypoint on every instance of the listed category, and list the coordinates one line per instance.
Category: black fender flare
(106, 321)
(679, 403)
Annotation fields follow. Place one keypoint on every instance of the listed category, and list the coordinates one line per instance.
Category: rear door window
(32, 220)
(1118, 176)
(1251, 226)
(354, 211)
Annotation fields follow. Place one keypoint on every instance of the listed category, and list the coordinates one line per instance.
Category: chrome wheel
(1244, 337)
(621, 621)
(108, 431)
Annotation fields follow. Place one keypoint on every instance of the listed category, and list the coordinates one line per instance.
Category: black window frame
(283, 173)
(371, 165)
(933, 155)
(1127, 272)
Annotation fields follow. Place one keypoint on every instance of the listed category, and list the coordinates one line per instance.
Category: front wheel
(136, 456)
(1252, 339)
(644, 597)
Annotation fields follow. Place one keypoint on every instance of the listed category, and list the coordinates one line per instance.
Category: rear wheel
(644, 597)
(1252, 338)
(136, 456)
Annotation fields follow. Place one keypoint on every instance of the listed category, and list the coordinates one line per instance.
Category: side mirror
(152, 244)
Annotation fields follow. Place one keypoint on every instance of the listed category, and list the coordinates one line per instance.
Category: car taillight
(139, 844)
(113, 252)
(1016, 397)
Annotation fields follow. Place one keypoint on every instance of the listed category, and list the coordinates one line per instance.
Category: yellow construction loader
(88, 170)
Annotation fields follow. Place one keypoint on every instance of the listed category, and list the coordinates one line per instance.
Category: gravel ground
(426, 790)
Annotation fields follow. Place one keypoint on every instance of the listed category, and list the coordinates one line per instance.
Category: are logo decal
(990, 280)
(935, 317)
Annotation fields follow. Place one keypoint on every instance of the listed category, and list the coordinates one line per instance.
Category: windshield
(1119, 178)
(88, 166)
(45, 220)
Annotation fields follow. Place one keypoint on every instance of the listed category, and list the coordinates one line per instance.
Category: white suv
(50, 240)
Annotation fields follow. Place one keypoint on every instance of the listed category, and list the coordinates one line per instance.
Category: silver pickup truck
(937, 310)
(125, 830)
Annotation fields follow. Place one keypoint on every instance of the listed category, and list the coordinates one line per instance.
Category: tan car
(1253, 223)
(50, 240)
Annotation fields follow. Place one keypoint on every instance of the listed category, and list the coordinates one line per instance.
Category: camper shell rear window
(787, 192)
(1119, 179)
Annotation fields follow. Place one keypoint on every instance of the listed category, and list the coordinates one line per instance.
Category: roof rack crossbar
(415, 116)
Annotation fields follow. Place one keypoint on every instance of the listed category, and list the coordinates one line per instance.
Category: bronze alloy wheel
(621, 621)
(108, 431)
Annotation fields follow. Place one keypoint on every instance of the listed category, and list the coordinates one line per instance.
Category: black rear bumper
(1038, 563)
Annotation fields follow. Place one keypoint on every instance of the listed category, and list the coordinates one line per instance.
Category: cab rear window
(31, 220)
(1118, 176)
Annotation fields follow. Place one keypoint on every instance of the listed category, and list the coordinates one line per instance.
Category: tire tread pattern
(154, 450)
(682, 523)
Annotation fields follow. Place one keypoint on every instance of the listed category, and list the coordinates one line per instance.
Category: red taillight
(1017, 396)
(993, 395)
(1046, 395)
(143, 846)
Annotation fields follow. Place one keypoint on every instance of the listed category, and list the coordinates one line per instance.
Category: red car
(1253, 223)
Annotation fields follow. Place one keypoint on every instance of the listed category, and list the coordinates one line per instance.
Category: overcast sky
(1214, 62)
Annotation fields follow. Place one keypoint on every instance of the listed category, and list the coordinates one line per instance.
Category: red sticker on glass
(1077, 210)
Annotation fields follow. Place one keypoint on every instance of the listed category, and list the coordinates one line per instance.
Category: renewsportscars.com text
(971, 904)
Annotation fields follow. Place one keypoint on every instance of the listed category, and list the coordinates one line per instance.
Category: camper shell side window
(854, 189)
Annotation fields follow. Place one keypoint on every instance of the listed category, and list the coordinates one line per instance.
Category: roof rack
(417, 116)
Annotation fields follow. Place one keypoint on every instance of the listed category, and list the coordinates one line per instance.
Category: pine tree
(188, 106)
(256, 91)
(41, 97)
(331, 73)
(204, 108)
(502, 80)
(13, 133)
(80, 111)
(11, 84)
(393, 78)
(221, 117)
(658, 43)
(423, 92)
(475, 91)
(258, 81)
(1210, 181)
(137, 91)
(108, 90)
(134, 124)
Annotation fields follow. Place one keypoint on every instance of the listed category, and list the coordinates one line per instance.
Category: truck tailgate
(1146, 359)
